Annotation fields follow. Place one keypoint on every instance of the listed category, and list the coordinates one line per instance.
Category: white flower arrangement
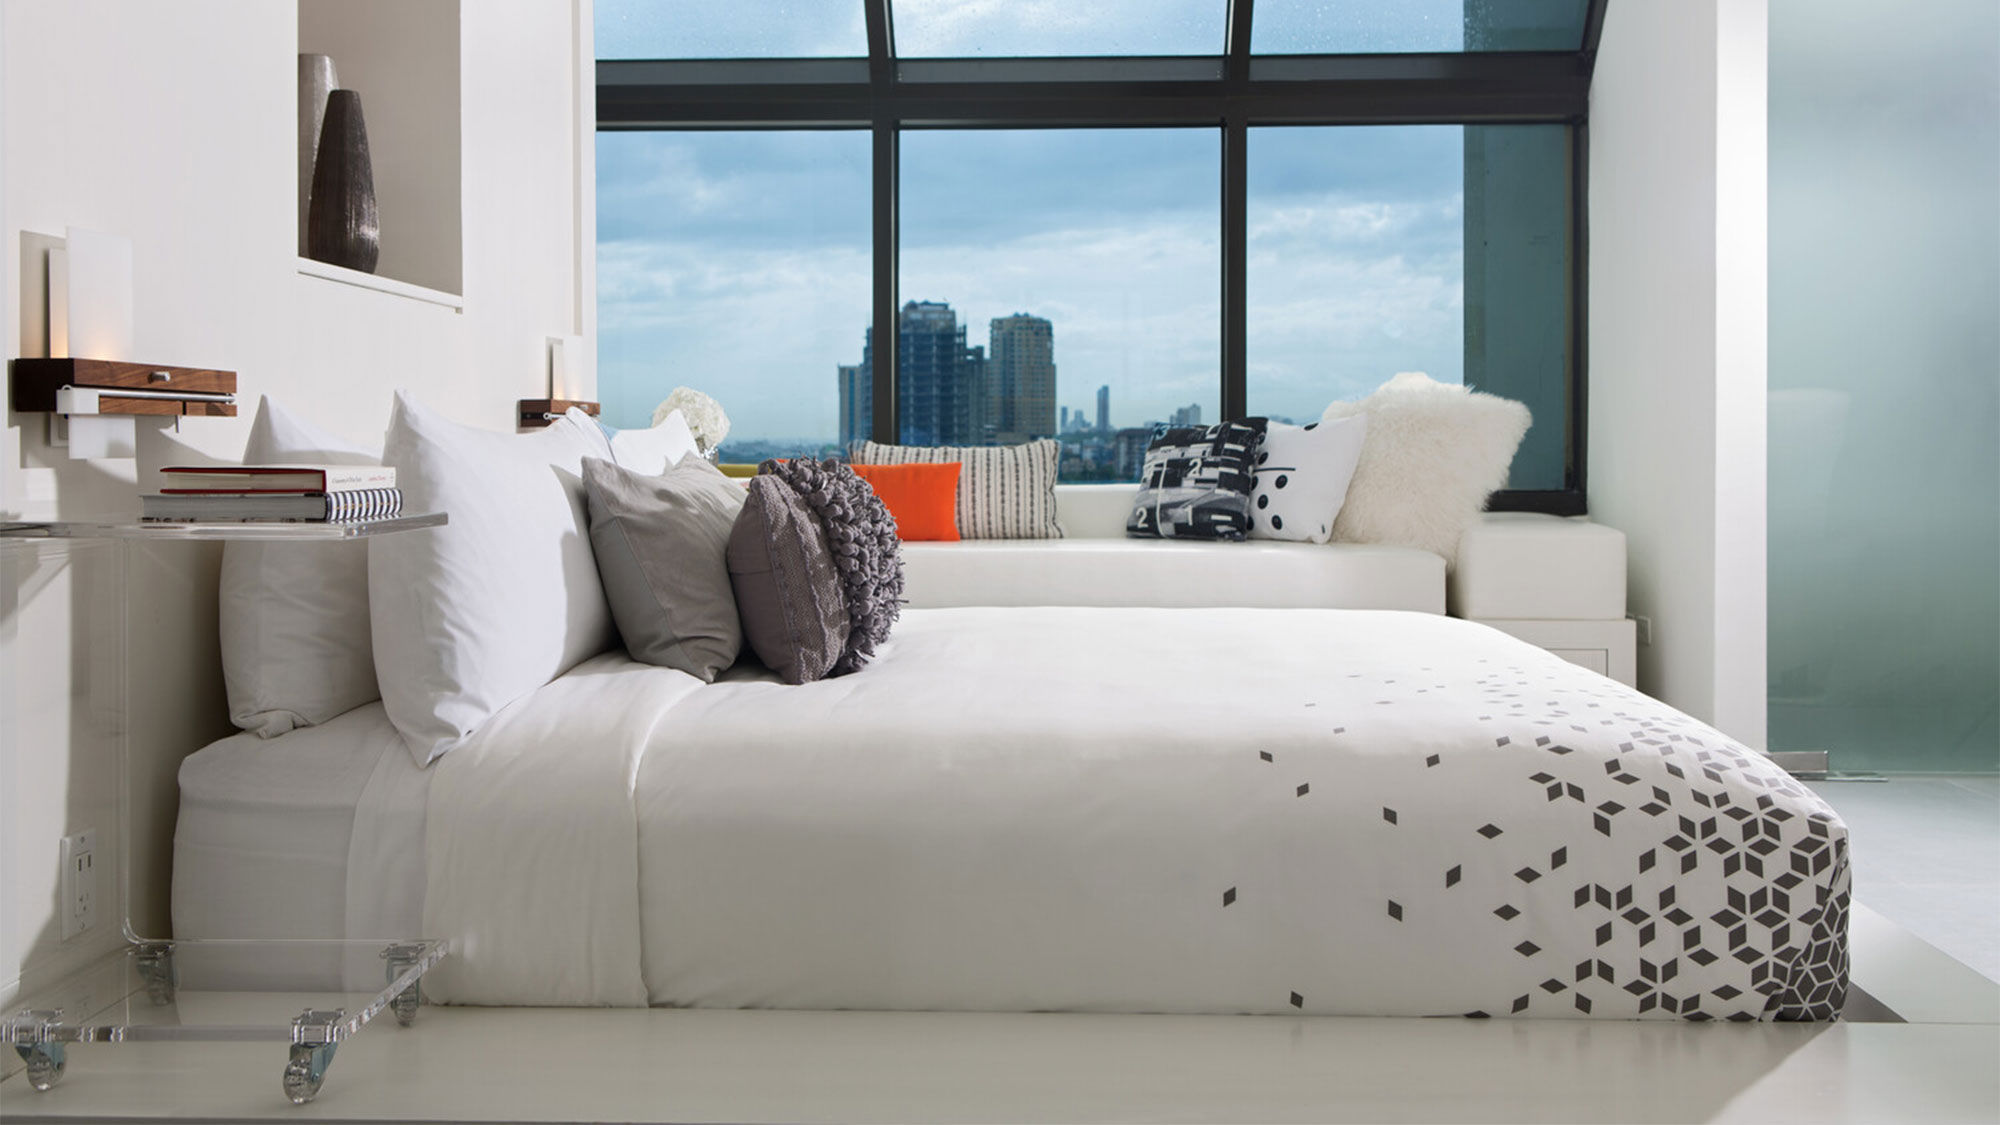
(703, 415)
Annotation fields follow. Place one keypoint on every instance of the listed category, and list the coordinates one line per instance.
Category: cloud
(738, 263)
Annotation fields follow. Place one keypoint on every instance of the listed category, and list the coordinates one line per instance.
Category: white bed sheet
(317, 833)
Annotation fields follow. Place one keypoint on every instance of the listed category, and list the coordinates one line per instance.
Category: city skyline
(955, 393)
(739, 264)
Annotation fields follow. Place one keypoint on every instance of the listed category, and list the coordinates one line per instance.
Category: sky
(966, 28)
(738, 263)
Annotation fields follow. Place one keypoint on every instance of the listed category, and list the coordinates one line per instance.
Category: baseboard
(1810, 765)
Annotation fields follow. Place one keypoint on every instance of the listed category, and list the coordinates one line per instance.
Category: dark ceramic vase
(341, 227)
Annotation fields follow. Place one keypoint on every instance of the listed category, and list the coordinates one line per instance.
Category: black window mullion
(1236, 49)
(883, 357)
(884, 195)
(1235, 264)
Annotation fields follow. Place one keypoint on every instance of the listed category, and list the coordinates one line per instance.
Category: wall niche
(402, 58)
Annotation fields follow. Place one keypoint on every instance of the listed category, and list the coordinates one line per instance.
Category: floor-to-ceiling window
(1086, 221)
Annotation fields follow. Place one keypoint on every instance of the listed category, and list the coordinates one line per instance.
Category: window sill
(310, 267)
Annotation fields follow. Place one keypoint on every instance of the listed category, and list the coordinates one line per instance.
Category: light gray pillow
(662, 552)
(787, 589)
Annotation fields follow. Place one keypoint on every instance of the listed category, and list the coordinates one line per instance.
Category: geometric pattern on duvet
(1774, 947)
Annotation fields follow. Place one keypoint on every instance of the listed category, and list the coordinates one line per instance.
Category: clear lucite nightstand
(309, 994)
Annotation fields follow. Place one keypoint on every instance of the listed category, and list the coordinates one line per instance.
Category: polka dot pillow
(1302, 477)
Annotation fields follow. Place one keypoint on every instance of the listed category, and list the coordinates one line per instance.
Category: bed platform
(1085, 809)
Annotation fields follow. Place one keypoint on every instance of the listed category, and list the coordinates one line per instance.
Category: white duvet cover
(1322, 811)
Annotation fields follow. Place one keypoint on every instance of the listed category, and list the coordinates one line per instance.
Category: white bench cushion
(1171, 574)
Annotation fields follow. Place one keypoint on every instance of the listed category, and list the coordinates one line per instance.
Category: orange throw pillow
(923, 499)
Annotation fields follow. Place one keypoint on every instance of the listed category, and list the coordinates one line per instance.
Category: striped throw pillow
(1004, 491)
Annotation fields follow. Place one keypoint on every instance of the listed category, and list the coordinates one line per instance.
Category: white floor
(1928, 847)
(1927, 854)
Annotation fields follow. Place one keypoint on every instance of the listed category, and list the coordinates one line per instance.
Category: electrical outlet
(1645, 627)
(79, 883)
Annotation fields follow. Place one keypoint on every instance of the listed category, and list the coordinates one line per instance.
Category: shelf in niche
(310, 267)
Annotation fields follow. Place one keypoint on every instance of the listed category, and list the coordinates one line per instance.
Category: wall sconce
(565, 383)
(92, 395)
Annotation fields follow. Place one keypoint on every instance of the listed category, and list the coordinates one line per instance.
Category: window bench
(1553, 582)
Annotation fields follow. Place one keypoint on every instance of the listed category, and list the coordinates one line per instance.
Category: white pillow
(654, 450)
(505, 597)
(1434, 452)
(1302, 477)
(294, 616)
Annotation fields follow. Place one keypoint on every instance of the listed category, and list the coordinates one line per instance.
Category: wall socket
(79, 883)
(1644, 627)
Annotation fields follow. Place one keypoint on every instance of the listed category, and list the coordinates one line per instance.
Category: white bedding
(316, 833)
(1342, 812)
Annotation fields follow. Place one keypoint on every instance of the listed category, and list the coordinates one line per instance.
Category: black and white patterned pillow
(1197, 482)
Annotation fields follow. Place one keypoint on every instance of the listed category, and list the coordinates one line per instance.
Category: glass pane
(736, 264)
(1885, 387)
(1435, 248)
(1300, 27)
(980, 28)
(1060, 281)
(770, 29)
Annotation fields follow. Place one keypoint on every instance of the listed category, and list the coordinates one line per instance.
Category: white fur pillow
(1434, 452)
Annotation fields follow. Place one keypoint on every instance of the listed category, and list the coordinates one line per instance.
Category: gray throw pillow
(861, 538)
(662, 552)
(788, 593)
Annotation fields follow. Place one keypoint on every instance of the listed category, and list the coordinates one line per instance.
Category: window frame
(1231, 92)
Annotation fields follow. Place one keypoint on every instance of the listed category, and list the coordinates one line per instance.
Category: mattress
(1260, 811)
(317, 833)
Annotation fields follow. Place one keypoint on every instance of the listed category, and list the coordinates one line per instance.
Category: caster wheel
(306, 1071)
(300, 1085)
(405, 1006)
(45, 1061)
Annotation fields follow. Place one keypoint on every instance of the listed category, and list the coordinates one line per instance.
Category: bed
(1333, 812)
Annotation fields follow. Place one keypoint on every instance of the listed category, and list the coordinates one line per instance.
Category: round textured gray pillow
(867, 555)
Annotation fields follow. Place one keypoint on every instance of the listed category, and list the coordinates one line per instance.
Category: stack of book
(302, 493)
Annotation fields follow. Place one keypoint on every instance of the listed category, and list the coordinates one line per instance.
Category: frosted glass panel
(1885, 383)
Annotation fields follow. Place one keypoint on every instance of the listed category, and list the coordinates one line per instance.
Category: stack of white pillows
(446, 626)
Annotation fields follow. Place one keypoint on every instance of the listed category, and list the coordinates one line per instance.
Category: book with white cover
(199, 479)
(314, 507)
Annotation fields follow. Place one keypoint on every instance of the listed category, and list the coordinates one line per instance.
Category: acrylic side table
(310, 994)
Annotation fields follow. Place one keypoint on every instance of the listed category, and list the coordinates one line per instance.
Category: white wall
(1677, 341)
(179, 135)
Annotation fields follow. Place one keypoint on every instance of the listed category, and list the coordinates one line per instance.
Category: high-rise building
(1062, 423)
(1022, 386)
(1129, 451)
(1189, 415)
(1103, 410)
(857, 400)
(941, 384)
